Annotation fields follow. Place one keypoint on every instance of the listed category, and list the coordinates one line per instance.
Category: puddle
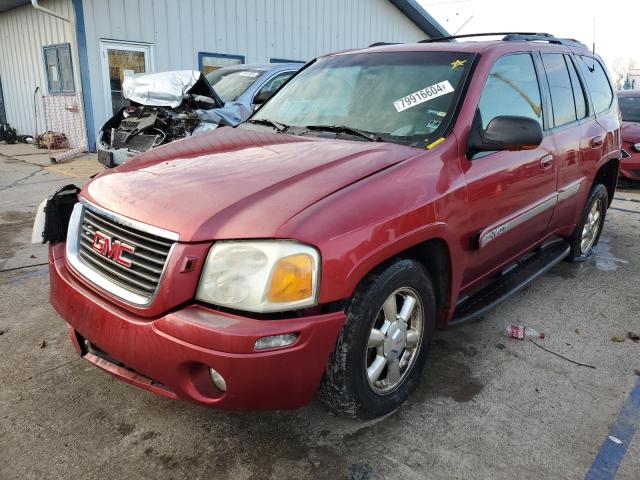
(604, 259)
(12, 225)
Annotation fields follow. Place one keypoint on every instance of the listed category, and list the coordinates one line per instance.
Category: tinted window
(564, 108)
(511, 89)
(630, 108)
(578, 91)
(597, 82)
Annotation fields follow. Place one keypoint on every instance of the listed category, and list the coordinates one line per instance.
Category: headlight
(636, 147)
(260, 275)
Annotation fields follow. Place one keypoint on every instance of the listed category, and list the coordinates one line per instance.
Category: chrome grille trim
(137, 285)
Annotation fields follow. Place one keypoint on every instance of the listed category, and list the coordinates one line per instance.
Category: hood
(231, 183)
(166, 89)
(631, 132)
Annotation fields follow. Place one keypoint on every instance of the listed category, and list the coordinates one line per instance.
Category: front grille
(147, 260)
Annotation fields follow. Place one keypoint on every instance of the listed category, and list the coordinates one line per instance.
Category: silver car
(168, 106)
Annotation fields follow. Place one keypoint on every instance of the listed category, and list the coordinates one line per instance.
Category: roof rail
(513, 37)
(379, 44)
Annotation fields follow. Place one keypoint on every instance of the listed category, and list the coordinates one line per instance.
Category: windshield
(630, 108)
(404, 97)
(230, 84)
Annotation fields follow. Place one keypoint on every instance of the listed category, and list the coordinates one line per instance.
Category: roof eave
(421, 18)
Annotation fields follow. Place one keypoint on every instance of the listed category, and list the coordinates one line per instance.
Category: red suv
(630, 108)
(380, 193)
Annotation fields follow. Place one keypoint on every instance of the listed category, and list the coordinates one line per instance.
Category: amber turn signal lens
(291, 279)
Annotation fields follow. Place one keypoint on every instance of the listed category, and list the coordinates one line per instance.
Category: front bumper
(171, 355)
(630, 167)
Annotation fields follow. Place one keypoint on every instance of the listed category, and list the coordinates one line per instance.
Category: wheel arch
(434, 254)
(607, 175)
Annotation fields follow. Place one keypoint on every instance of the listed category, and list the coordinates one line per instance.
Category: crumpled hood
(232, 183)
(166, 89)
(631, 132)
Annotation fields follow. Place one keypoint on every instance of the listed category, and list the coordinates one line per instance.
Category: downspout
(74, 54)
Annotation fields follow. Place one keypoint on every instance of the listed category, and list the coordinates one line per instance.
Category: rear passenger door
(511, 194)
(570, 126)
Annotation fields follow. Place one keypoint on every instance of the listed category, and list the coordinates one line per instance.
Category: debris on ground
(615, 440)
(634, 336)
(637, 371)
(618, 339)
(577, 331)
(43, 344)
(501, 346)
(562, 356)
(1, 332)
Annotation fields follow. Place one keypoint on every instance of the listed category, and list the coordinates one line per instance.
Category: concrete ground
(487, 407)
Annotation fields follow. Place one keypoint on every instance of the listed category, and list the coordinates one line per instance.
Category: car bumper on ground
(630, 166)
(172, 355)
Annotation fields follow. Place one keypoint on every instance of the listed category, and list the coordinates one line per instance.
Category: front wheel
(382, 346)
(588, 231)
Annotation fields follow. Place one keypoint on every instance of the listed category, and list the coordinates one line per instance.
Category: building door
(119, 60)
(3, 114)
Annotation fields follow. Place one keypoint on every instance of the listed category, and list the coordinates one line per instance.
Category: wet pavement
(487, 407)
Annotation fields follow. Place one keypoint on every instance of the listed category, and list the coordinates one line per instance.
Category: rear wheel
(382, 346)
(588, 231)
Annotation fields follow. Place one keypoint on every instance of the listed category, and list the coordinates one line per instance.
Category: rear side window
(562, 100)
(578, 91)
(511, 89)
(597, 82)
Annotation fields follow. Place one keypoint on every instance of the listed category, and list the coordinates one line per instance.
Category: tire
(581, 250)
(348, 388)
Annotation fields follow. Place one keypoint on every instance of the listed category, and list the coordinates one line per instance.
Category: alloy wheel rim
(591, 227)
(394, 340)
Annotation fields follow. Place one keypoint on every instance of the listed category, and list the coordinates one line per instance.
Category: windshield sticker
(424, 95)
(438, 113)
(434, 124)
(457, 63)
(246, 73)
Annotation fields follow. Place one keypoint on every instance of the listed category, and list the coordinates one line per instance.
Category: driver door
(511, 194)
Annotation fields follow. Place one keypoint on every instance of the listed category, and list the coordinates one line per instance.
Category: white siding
(258, 29)
(23, 33)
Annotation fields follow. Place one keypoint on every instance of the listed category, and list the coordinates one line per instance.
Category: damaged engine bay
(140, 128)
(164, 107)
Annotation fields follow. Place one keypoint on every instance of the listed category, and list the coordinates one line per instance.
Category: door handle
(546, 162)
(597, 141)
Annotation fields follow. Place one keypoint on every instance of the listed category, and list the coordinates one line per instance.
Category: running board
(510, 282)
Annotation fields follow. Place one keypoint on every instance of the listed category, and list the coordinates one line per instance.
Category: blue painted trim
(282, 60)
(610, 456)
(420, 17)
(81, 39)
(201, 55)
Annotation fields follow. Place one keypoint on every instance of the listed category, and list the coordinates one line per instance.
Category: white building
(71, 54)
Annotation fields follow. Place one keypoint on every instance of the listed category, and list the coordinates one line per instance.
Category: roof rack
(379, 44)
(513, 37)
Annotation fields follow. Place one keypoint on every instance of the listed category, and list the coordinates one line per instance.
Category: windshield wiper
(372, 137)
(280, 127)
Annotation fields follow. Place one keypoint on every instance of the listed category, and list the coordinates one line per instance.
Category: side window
(511, 89)
(562, 101)
(597, 82)
(57, 59)
(578, 91)
(274, 84)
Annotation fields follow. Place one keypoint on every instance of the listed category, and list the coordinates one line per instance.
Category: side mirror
(505, 132)
(262, 97)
